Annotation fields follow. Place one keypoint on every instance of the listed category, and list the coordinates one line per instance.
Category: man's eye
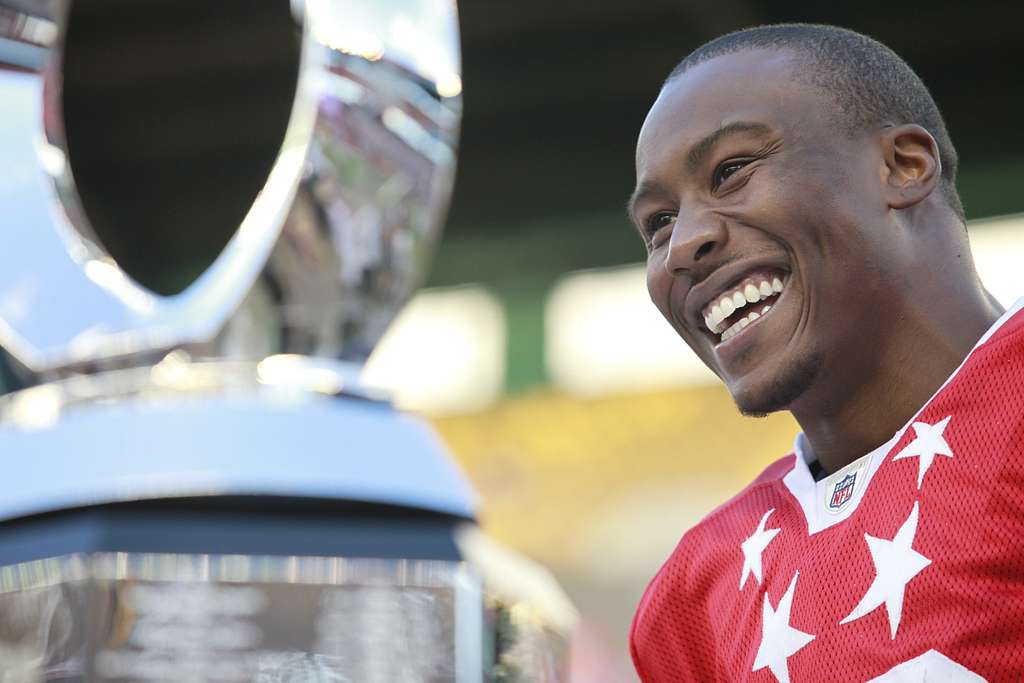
(659, 221)
(723, 172)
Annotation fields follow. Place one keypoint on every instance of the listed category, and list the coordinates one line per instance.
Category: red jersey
(906, 565)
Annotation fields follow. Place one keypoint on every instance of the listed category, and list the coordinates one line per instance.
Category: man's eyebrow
(700, 151)
(695, 158)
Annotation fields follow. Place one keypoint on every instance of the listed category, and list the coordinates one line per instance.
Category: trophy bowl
(235, 179)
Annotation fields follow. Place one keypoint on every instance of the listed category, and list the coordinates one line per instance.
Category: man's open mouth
(743, 302)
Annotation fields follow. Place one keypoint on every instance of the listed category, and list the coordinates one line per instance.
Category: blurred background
(593, 435)
(595, 438)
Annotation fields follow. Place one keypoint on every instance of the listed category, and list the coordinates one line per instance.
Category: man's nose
(694, 243)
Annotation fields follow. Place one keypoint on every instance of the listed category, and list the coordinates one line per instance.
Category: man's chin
(779, 391)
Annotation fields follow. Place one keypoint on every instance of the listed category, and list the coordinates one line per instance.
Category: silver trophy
(210, 213)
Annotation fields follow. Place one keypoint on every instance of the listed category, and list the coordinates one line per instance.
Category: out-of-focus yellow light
(172, 371)
(359, 43)
(294, 370)
(52, 159)
(39, 31)
(177, 372)
(368, 46)
(449, 85)
(35, 408)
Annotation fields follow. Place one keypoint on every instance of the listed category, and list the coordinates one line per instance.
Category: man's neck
(862, 413)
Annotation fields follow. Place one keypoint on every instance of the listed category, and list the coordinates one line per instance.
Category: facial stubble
(783, 389)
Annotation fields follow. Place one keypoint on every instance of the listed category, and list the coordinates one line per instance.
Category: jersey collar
(827, 502)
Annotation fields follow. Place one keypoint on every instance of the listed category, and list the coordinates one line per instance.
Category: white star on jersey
(896, 563)
(926, 446)
(753, 547)
(779, 641)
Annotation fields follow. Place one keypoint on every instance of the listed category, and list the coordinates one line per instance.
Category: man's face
(745, 187)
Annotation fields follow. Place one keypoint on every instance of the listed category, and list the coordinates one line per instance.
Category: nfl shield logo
(843, 492)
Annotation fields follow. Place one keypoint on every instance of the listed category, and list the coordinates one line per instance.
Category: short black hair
(869, 83)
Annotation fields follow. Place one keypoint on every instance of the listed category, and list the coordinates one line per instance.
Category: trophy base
(237, 594)
(212, 523)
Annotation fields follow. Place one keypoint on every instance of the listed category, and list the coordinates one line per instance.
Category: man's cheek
(659, 289)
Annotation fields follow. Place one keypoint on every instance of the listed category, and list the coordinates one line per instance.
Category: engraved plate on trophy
(136, 617)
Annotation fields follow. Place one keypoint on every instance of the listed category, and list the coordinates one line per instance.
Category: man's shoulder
(704, 554)
(737, 509)
(706, 536)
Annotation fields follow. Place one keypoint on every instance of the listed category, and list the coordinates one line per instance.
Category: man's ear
(912, 165)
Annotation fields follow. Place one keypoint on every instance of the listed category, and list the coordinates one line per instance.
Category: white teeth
(742, 323)
(714, 319)
(730, 303)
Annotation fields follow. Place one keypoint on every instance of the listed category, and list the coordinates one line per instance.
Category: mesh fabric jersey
(907, 565)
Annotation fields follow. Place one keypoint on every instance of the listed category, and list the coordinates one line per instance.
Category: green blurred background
(555, 93)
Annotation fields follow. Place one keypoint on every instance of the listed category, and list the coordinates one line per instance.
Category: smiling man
(796, 193)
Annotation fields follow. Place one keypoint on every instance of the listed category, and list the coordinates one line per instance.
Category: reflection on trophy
(212, 211)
